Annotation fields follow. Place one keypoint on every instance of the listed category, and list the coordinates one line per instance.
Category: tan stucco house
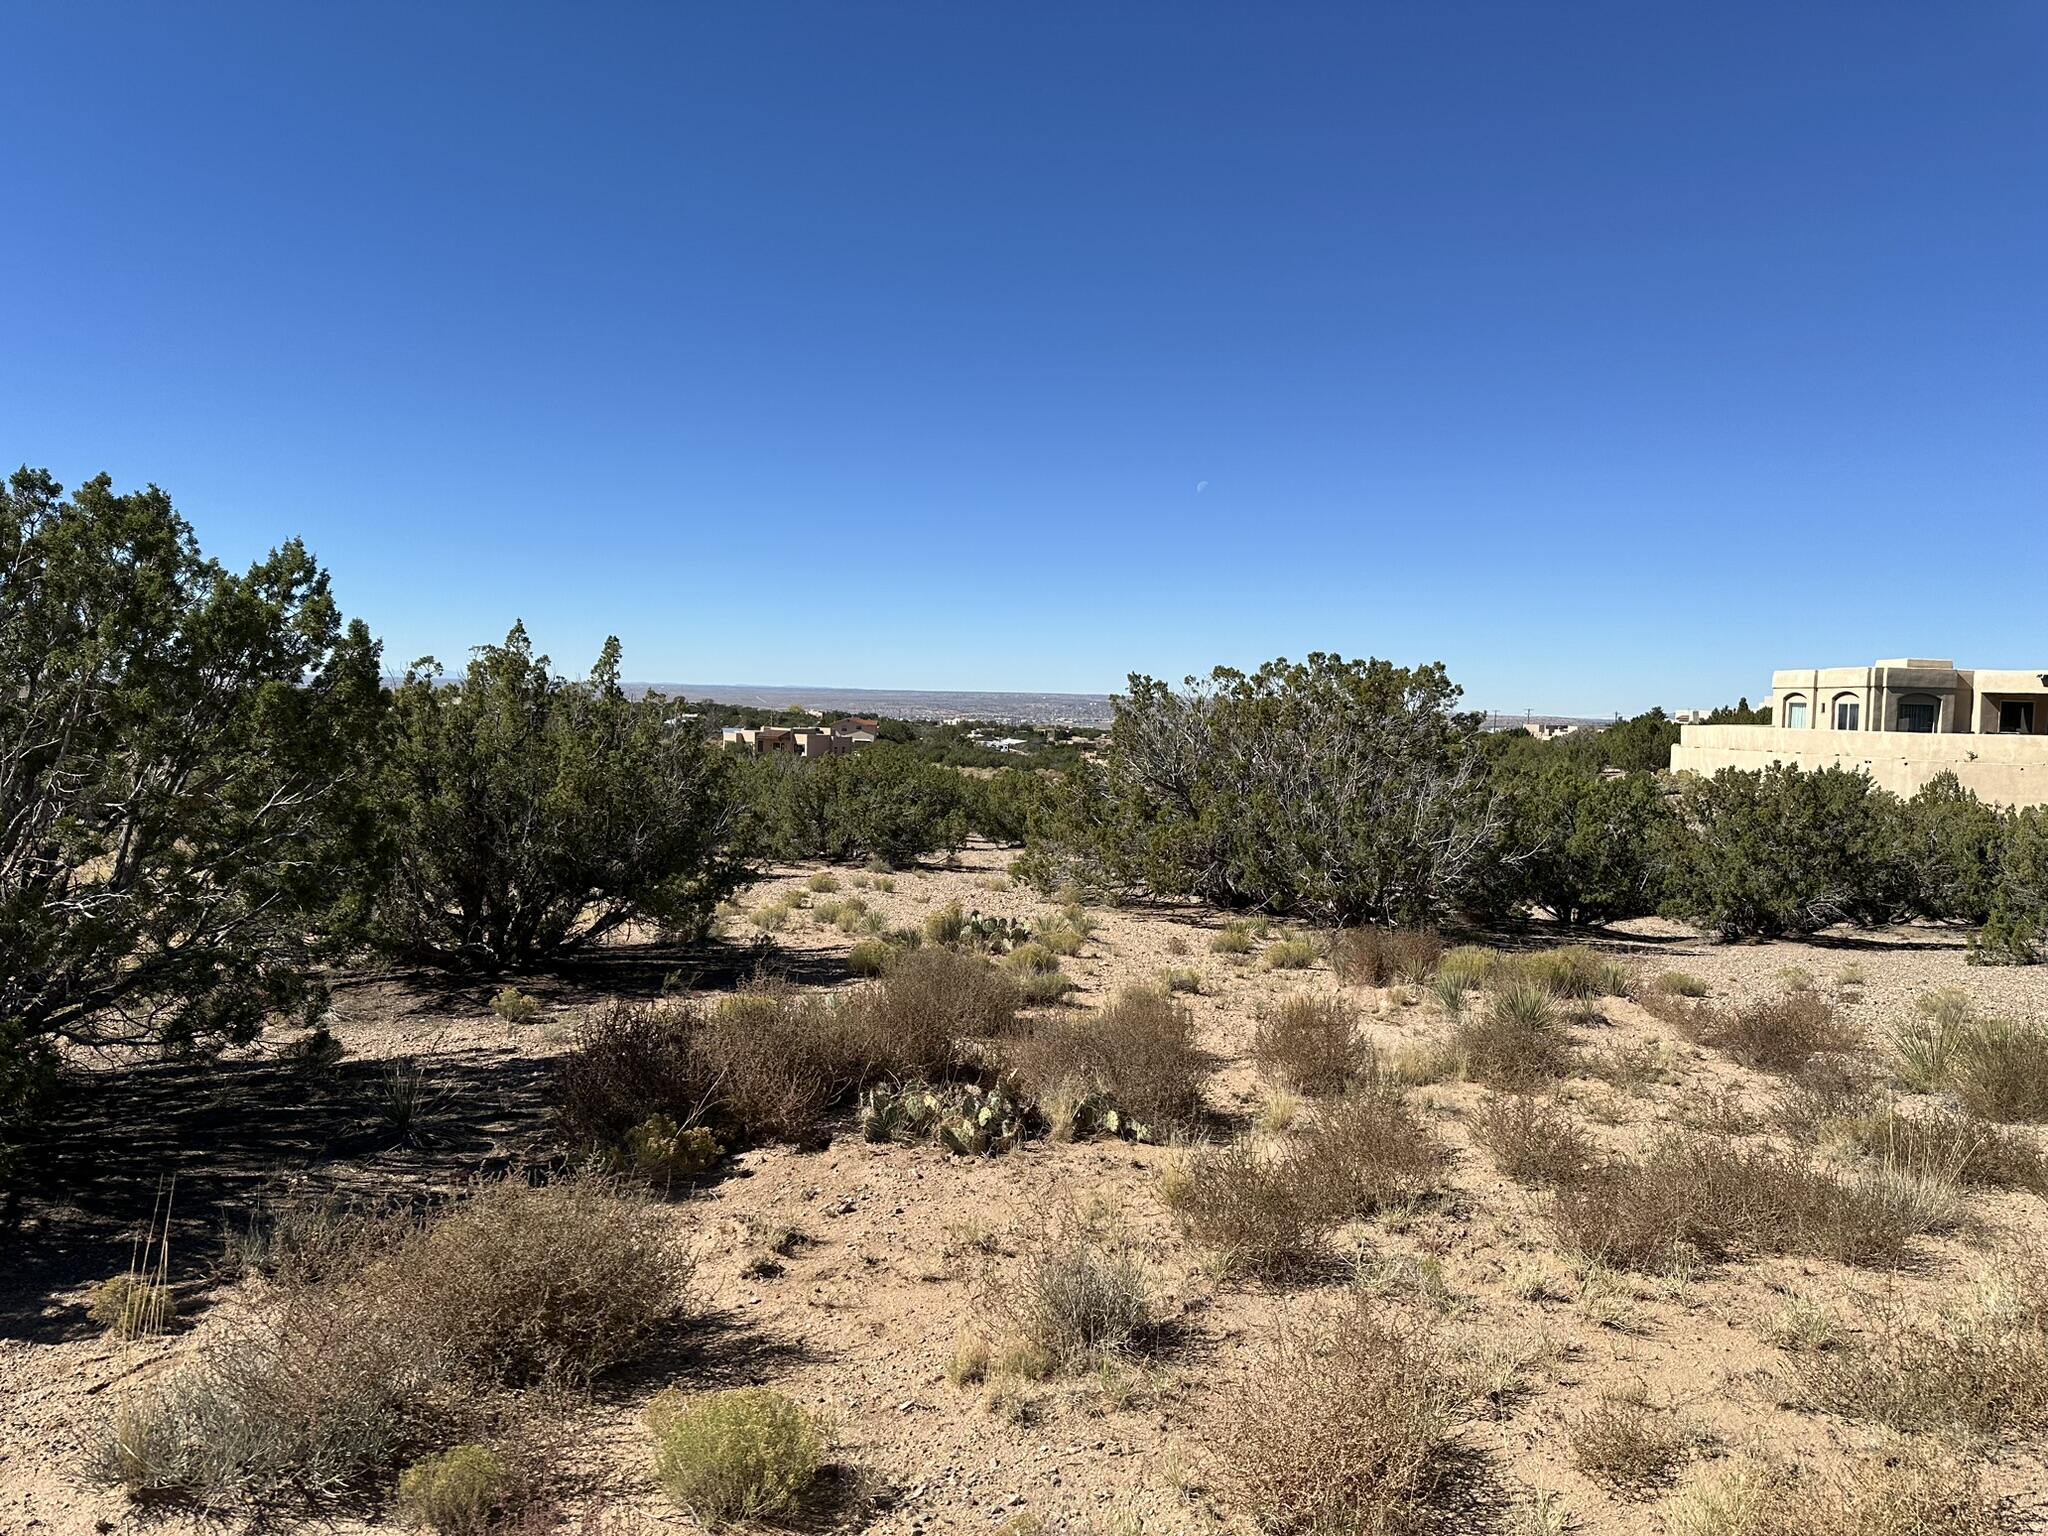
(1903, 722)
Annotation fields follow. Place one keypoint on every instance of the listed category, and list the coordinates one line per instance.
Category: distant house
(855, 725)
(1903, 722)
(802, 741)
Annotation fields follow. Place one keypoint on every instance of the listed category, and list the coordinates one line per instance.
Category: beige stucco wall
(2006, 770)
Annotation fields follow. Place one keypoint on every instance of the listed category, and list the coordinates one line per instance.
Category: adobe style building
(1903, 722)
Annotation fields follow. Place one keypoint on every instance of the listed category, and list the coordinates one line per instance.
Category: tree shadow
(216, 1138)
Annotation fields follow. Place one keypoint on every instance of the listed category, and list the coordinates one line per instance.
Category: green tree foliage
(531, 815)
(1003, 806)
(183, 755)
(1781, 851)
(1740, 713)
(1951, 843)
(881, 802)
(1593, 843)
(1345, 791)
(2016, 926)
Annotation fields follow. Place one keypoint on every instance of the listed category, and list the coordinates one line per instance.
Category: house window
(1917, 712)
(2016, 716)
(1795, 714)
(1847, 713)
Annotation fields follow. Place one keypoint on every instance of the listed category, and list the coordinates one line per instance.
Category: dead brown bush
(1138, 1053)
(1363, 1152)
(1516, 1042)
(1374, 957)
(1346, 1425)
(627, 1061)
(912, 1023)
(1533, 1141)
(1779, 1034)
(1708, 1198)
(1628, 1449)
(1248, 1208)
(1311, 1044)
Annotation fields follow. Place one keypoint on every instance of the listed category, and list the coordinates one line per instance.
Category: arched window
(1795, 713)
(1848, 712)
(1919, 712)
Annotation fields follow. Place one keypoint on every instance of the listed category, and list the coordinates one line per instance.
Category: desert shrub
(1468, 965)
(1336, 791)
(1076, 1294)
(1779, 1034)
(1945, 1143)
(1375, 956)
(1345, 1425)
(529, 816)
(1784, 851)
(2001, 1070)
(1040, 988)
(1951, 846)
(1247, 1207)
(2016, 926)
(744, 1454)
(1533, 1142)
(458, 1492)
(1138, 1054)
(944, 925)
(662, 1152)
(1232, 939)
(515, 1006)
(1962, 1373)
(824, 882)
(1908, 1489)
(1181, 979)
(1288, 955)
(882, 804)
(1031, 959)
(626, 1062)
(1678, 984)
(131, 1306)
(1311, 1043)
(1363, 1152)
(1700, 1197)
(914, 1021)
(1570, 971)
(1926, 1048)
(1627, 1448)
(869, 958)
(1593, 846)
(521, 1282)
(779, 1059)
(1516, 1041)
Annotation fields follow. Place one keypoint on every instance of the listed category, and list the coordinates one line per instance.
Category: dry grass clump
(1374, 957)
(134, 1305)
(1677, 984)
(1516, 1041)
(1246, 1206)
(1266, 1212)
(1574, 971)
(824, 882)
(1780, 1034)
(1362, 1153)
(1078, 1294)
(945, 925)
(1628, 1448)
(1469, 966)
(1702, 1197)
(1944, 1143)
(1232, 939)
(1981, 1369)
(1909, 1489)
(1311, 1044)
(869, 958)
(1346, 1425)
(1288, 955)
(741, 1455)
(1138, 1054)
(1533, 1141)
(335, 1382)
(1997, 1067)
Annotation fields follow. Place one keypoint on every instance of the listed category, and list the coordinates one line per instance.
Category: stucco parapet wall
(2007, 770)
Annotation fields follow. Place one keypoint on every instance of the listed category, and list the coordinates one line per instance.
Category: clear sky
(1612, 353)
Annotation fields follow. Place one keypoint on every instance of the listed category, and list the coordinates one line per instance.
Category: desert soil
(894, 1243)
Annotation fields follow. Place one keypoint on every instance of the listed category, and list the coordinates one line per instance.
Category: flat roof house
(1903, 722)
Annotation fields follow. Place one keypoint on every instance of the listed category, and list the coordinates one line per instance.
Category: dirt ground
(860, 1317)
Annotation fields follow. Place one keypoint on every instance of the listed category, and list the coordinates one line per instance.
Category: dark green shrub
(1784, 851)
(1591, 847)
(530, 816)
(883, 802)
(1953, 843)
(2016, 926)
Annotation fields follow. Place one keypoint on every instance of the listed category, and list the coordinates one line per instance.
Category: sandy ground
(860, 1319)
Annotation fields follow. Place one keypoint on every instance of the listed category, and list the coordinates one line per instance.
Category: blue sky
(1611, 353)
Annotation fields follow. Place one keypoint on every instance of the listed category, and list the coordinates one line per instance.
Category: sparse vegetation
(1346, 1425)
(1311, 1043)
(743, 1454)
(1533, 1142)
(1375, 956)
(1516, 1041)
